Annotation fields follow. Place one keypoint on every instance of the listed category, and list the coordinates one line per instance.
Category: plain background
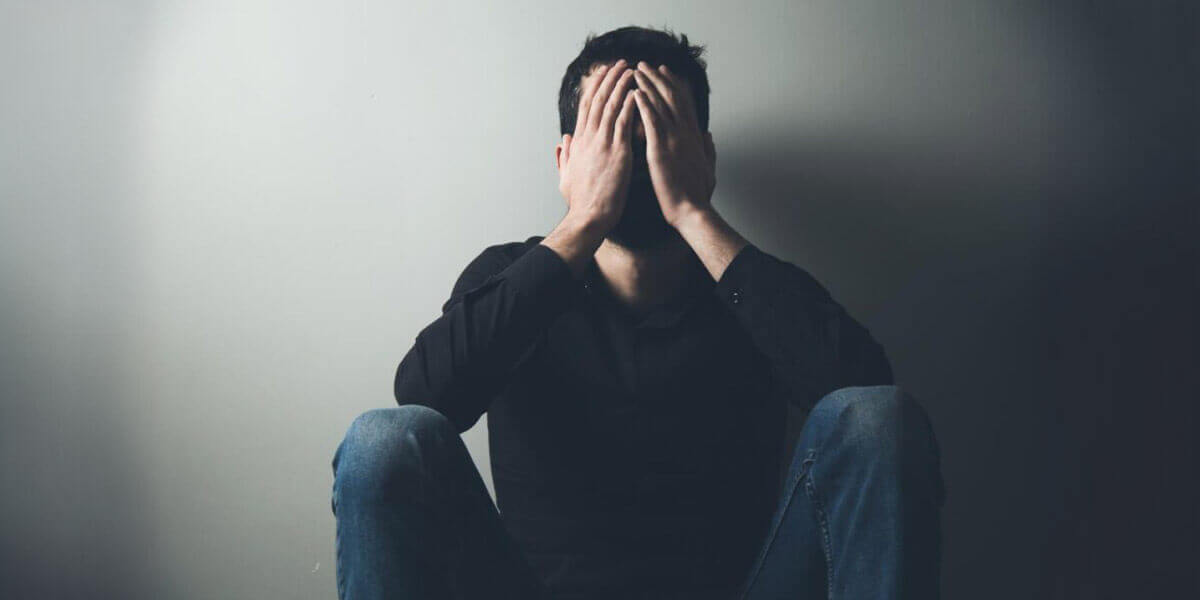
(225, 222)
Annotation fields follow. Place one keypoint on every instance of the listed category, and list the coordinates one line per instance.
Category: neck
(644, 278)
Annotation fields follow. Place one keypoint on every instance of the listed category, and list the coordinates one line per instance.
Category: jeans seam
(826, 545)
(791, 487)
(339, 578)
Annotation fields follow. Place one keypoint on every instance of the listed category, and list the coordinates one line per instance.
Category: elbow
(400, 387)
(408, 388)
(861, 359)
(871, 368)
(880, 373)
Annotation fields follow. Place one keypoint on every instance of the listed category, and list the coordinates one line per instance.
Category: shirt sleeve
(812, 344)
(496, 312)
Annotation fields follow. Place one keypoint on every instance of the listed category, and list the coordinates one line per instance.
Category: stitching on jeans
(339, 577)
(762, 553)
(825, 543)
(793, 483)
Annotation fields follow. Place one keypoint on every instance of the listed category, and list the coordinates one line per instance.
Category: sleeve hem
(542, 276)
(739, 270)
(753, 271)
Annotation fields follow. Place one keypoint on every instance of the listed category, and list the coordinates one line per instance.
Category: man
(636, 364)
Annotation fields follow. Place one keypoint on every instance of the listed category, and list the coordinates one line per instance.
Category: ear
(560, 151)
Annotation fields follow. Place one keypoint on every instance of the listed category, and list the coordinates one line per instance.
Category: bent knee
(384, 425)
(872, 415)
(384, 438)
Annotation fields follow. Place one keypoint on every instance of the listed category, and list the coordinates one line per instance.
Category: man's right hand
(595, 165)
(598, 158)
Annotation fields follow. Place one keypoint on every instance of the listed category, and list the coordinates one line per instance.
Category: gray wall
(225, 222)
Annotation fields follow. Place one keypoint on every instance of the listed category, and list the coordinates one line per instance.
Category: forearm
(713, 239)
(575, 239)
(497, 311)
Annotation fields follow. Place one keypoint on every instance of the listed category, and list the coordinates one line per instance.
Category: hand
(681, 159)
(595, 163)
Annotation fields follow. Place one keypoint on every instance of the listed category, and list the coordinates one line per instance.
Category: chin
(647, 243)
(642, 225)
(643, 235)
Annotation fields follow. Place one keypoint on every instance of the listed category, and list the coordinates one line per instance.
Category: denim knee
(386, 446)
(873, 418)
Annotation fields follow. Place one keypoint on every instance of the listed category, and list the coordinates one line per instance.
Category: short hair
(633, 43)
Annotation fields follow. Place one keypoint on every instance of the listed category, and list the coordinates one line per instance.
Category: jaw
(642, 225)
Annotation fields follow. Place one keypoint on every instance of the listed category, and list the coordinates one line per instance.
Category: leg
(414, 519)
(860, 510)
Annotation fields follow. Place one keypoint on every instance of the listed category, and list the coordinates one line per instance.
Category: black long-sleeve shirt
(634, 455)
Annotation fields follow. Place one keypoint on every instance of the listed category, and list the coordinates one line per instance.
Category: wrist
(576, 240)
(694, 218)
(582, 228)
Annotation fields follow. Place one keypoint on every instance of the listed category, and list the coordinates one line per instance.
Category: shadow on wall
(936, 257)
(1041, 306)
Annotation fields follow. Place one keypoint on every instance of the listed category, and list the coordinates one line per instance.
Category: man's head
(642, 224)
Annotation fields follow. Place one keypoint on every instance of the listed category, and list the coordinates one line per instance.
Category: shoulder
(514, 249)
(491, 260)
(496, 257)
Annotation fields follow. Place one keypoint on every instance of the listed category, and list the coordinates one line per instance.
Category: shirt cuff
(542, 277)
(754, 274)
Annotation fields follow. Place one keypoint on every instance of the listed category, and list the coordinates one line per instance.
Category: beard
(642, 224)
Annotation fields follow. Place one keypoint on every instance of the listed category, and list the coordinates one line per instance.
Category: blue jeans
(859, 515)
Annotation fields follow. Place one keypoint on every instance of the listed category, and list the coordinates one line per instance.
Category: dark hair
(634, 44)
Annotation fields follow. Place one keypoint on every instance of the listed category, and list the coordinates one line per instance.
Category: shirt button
(735, 296)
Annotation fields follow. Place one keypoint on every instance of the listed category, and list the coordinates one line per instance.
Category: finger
(602, 93)
(652, 98)
(585, 100)
(650, 119)
(683, 94)
(670, 75)
(662, 95)
(615, 101)
(624, 125)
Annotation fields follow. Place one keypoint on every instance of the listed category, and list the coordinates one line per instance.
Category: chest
(694, 386)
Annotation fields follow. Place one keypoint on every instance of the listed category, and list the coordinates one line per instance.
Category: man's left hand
(681, 158)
